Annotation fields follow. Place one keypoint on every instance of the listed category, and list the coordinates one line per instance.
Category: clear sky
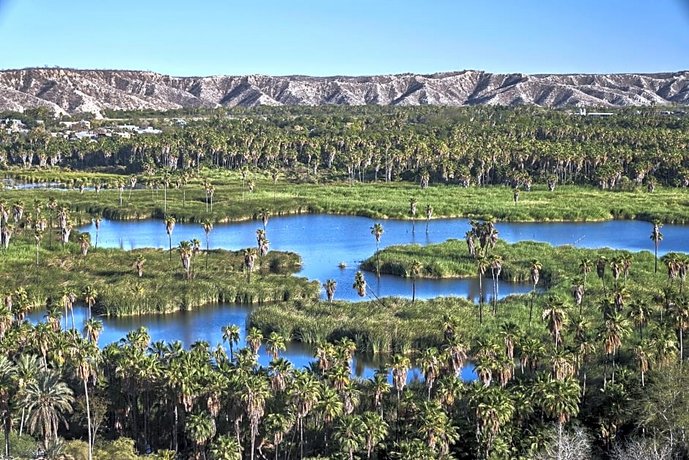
(346, 37)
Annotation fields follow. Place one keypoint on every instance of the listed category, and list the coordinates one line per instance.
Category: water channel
(326, 241)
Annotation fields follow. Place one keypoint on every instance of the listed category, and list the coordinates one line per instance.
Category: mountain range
(70, 91)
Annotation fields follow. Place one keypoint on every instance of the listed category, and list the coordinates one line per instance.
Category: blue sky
(347, 37)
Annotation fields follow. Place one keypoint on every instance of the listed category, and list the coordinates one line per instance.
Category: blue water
(325, 241)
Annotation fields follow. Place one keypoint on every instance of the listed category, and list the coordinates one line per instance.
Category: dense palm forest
(590, 364)
(463, 146)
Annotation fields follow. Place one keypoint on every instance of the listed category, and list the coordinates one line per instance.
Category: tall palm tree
(555, 316)
(303, 393)
(90, 294)
(643, 353)
(185, 255)
(601, 263)
(254, 393)
(359, 283)
(560, 399)
(656, 237)
(375, 429)
(231, 335)
(207, 228)
(96, 221)
(679, 314)
(264, 214)
(38, 235)
(249, 262)
(412, 212)
(84, 356)
(415, 271)
(330, 287)
(46, 402)
(482, 265)
(429, 362)
(377, 232)
(585, 266)
(429, 215)
(8, 373)
(495, 271)
(169, 227)
(639, 313)
(612, 333)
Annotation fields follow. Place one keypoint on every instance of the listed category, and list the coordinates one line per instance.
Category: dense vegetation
(480, 145)
(591, 364)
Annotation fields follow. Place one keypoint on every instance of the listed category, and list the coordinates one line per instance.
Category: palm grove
(591, 365)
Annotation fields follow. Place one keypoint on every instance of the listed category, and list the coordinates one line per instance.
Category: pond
(206, 324)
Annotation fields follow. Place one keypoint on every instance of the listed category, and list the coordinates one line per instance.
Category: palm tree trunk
(413, 290)
(174, 432)
(169, 237)
(655, 244)
(88, 418)
(681, 347)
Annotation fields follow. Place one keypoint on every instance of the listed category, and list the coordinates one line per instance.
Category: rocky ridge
(70, 91)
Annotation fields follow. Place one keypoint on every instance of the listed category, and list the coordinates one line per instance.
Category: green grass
(393, 324)
(379, 200)
(162, 288)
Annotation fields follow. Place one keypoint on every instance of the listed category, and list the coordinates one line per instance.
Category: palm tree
(359, 283)
(249, 261)
(436, 428)
(84, 360)
(585, 266)
(275, 344)
(264, 214)
(185, 253)
(415, 271)
(679, 314)
(555, 315)
(642, 353)
(96, 221)
(93, 329)
(601, 263)
(89, 294)
(225, 447)
(254, 394)
(560, 399)
(481, 266)
(254, 339)
(169, 227)
(429, 215)
(207, 228)
(139, 265)
(84, 243)
(495, 271)
(429, 362)
(303, 394)
(375, 429)
(8, 373)
(200, 428)
(377, 232)
(46, 401)
(535, 273)
(38, 235)
(656, 237)
(412, 212)
(330, 287)
(231, 335)
(350, 434)
(613, 331)
(639, 313)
